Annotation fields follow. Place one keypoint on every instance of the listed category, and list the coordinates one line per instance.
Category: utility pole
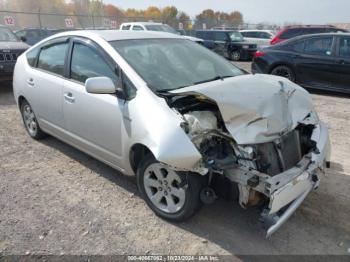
(39, 18)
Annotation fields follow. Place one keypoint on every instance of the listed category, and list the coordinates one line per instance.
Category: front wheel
(171, 195)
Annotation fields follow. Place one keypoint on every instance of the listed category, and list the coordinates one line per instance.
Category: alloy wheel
(162, 186)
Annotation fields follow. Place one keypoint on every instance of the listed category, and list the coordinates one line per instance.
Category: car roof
(301, 37)
(256, 30)
(142, 23)
(309, 26)
(114, 35)
(217, 30)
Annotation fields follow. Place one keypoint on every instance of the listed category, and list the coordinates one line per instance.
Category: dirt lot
(55, 199)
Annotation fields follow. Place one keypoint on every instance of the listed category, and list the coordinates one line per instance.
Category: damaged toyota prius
(178, 116)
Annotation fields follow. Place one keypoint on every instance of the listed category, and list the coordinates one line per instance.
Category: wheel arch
(284, 63)
(20, 100)
(136, 153)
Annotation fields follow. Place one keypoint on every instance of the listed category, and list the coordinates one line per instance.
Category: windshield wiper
(212, 79)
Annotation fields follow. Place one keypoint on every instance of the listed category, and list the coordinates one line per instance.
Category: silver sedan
(176, 115)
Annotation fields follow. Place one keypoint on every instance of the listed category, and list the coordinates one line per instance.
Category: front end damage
(274, 153)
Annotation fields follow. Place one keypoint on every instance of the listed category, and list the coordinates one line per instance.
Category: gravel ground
(55, 199)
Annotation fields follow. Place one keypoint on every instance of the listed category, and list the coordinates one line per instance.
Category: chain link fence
(18, 20)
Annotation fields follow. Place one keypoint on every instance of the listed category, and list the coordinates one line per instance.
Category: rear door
(45, 80)
(342, 64)
(93, 121)
(208, 38)
(221, 40)
(315, 62)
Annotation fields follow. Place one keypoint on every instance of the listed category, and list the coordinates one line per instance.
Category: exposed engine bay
(206, 128)
(279, 173)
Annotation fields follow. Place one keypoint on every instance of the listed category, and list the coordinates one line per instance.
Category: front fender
(153, 124)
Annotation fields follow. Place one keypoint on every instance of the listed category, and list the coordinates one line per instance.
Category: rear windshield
(161, 28)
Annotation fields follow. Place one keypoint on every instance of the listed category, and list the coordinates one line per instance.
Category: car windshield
(6, 35)
(161, 28)
(169, 64)
(236, 37)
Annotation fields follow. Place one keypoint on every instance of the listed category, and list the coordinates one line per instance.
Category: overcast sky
(276, 11)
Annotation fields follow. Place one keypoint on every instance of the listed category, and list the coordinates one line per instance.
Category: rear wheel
(171, 195)
(284, 71)
(30, 121)
(235, 56)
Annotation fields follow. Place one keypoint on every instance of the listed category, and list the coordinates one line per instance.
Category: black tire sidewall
(291, 72)
(232, 55)
(192, 198)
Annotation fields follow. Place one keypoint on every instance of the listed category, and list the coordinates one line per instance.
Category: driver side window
(87, 63)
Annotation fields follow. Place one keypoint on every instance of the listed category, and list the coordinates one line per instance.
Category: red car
(297, 30)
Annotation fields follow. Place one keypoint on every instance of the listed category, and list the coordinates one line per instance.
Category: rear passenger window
(126, 27)
(344, 47)
(319, 46)
(52, 58)
(87, 63)
(205, 35)
(221, 36)
(264, 35)
(137, 28)
(298, 46)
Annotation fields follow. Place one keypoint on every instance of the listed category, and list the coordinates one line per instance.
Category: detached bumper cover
(289, 196)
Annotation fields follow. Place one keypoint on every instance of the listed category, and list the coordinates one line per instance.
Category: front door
(94, 121)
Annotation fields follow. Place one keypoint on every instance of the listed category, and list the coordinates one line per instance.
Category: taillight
(259, 54)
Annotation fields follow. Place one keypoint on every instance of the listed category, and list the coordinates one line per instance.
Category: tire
(235, 56)
(30, 122)
(187, 186)
(284, 71)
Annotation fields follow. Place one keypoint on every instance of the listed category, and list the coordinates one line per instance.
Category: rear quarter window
(31, 56)
(51, 58)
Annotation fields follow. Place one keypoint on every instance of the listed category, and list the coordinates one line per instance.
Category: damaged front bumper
(286, 191)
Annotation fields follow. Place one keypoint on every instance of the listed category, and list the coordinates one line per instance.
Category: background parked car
(227, 43)
(34, 35)
(158, 27)
(10, 48)
(258, 37)
(297, 30)
(320, 61)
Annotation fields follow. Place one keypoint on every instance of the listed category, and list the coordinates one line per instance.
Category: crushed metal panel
(256, 109)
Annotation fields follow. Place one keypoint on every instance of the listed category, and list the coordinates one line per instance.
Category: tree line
(169, 14)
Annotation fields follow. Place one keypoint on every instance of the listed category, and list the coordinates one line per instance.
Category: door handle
(30, 81)
(341, 62)
(69, 97)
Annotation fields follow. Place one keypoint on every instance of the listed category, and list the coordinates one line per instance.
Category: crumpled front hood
(256, 108)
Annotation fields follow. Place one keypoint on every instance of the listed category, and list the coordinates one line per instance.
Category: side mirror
(100, 85)
(23, 39)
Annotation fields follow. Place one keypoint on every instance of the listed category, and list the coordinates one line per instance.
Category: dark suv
(10, 48)
(298, 30)
(227, 43)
